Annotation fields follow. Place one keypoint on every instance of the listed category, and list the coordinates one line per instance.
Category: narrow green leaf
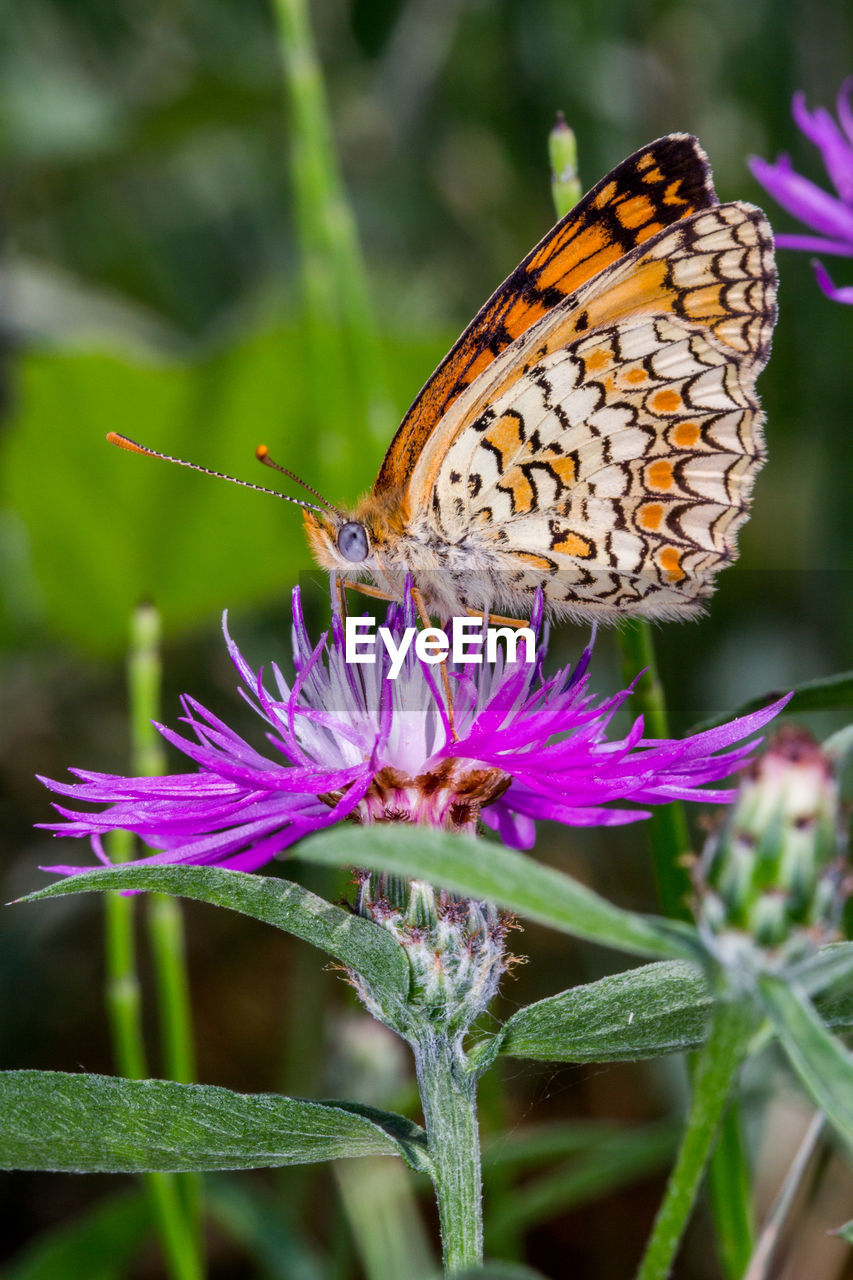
(356, 942)
(99, 1245)
(483, 870)
(821, 1061)
(89, 1124)
(823, 694)
(655, 1009)
(846, 1232)
(658, 1008)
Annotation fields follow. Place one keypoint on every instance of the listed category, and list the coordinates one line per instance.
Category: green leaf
(655, 1009)
(823, 694)
(846, 1232)
(90, 1124)
(359, 943)
(99, 1245)
(484, 870)
(821, 1061)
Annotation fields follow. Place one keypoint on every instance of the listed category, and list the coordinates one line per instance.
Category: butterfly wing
(609, 453)
(663, 182)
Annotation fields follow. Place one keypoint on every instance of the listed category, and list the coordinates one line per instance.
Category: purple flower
(345, 741)
(830, 216)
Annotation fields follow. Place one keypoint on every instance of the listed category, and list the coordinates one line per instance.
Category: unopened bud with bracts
(456, 949)
(771, 884)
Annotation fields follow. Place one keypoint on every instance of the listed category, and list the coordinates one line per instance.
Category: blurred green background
(154, 285)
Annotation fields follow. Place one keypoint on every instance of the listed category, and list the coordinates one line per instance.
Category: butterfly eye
(352, 541)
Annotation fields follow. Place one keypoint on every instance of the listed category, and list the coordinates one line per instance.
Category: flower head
(830, 216)
(345, 741)
(771, 883)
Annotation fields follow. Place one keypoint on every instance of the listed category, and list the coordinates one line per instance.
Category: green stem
(343, 343)
(730, 1195)
(175, 1202)
(717, 1064)
(448, 1091)
(123, 991)
(667, 827)
(164, 918)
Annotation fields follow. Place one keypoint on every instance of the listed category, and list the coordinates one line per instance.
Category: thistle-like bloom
(345, 741)
(831, 217)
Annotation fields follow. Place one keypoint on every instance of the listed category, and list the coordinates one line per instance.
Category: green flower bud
(771, 883)
(456, 950)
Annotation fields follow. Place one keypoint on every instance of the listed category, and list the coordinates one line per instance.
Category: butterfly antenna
(132, 447)
(262, 454)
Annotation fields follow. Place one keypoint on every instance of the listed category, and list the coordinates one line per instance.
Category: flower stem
(448, 1090)
(717, 1064)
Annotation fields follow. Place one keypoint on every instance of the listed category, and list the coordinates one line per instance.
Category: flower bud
(455, 948)
(770, 884)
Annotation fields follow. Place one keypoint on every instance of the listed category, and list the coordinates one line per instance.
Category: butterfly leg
(495, 619)
(374, 592)
(417, 598)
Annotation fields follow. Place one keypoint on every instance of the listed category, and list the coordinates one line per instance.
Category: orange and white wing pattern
(656, 186)
(608, 454)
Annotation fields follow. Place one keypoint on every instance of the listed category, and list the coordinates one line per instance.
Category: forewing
(610, 455)
(663, 182)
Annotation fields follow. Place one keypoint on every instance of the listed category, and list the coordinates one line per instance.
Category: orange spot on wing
(670, 560)
(517, 484)
(505, 435)
(637, 374)
(685, 434)
(666, 401)
(671, 194)
(564, 468)
(536, 562)
(573, 545)
(651, 514)
(597, 360)
(659, 474)
(605, 195)
(635, 212)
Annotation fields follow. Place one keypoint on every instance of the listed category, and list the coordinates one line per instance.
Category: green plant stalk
(123, 991)
(448, 1092)
(730, 1195)
(164, 917)
(729, 1178)
(179, 1236)
(344, 346)
(382, 1213)
(716, 1068)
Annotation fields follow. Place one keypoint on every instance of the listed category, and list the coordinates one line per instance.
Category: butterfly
(595, 430)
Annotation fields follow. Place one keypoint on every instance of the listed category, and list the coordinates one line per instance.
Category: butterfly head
(337, 540)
